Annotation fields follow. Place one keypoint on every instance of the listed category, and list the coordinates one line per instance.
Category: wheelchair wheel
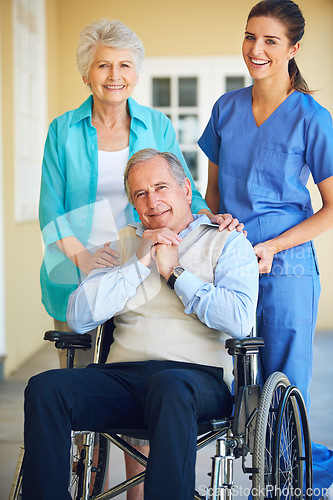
(278, 447)
(99, 467)
(299, 453)
(16, 489)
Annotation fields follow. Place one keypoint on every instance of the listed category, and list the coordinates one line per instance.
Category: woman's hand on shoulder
(227, 221)
(102, 258)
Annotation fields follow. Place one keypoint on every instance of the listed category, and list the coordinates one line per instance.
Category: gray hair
(175, 167)
(107, 33)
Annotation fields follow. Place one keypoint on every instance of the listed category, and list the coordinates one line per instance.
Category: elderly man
(181, 287)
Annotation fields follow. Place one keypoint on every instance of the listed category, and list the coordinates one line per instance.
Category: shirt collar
(136, 111)
(199, 220)
(84, 111)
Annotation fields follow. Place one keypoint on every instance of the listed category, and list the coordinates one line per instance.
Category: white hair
(108, 33)
(175, 167)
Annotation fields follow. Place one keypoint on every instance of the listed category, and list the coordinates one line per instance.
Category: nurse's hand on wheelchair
(227, 221)
(265, 252)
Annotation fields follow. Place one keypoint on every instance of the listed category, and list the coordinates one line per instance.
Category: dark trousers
(167, 397)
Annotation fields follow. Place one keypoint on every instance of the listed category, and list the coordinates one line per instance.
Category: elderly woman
(82, 200)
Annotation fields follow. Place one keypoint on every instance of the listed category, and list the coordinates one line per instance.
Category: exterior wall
(176, 28)
(25, 318)
(191, 28)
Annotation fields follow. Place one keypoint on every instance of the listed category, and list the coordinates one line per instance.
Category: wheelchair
(269, 433)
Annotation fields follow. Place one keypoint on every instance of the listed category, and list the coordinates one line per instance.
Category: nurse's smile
(258, 62)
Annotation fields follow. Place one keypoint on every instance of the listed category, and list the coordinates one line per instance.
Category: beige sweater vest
(153, 324)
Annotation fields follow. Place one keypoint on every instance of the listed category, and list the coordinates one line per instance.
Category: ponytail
(297, 82)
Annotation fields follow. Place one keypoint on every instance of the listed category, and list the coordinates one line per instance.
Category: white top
(111, 211)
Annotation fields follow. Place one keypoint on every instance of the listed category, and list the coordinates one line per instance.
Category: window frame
(30, 109)
(211, 72)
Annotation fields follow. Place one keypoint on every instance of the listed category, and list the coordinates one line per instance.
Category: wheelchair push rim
(281, 430)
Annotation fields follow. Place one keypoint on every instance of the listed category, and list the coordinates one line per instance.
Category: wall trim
(2, 278)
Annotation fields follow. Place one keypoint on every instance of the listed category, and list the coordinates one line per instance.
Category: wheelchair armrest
(242, 347)
(245, 353)
(68, 340)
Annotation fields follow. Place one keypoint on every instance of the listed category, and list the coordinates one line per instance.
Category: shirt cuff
(186, 286)
(134, 271)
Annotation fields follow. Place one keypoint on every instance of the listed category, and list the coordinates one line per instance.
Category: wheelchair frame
(270, 424)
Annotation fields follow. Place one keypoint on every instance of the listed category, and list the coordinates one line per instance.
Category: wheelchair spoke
(278, 444)
(289, 451)
(98, 465)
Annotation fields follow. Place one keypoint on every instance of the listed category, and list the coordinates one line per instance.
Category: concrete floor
(11, 414)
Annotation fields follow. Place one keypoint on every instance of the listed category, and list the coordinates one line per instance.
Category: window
(185, 89)
(234, 82)
(177, 97)
(29, 104)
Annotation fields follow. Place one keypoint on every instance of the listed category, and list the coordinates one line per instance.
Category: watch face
(177, 271)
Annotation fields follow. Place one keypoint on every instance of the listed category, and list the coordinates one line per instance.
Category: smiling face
(112, 74)
(266, 48)
(158, 198)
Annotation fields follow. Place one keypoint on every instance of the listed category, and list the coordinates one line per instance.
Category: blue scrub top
(263, 171)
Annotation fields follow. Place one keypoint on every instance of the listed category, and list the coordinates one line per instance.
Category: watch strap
(175, 273)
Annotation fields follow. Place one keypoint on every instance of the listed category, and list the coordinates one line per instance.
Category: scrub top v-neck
(263, 170)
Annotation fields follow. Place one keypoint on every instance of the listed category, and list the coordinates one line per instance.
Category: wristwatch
(175, 273)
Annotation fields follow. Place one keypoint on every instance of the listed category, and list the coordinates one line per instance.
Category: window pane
(187, 91)
(234, 82)
(30, 99)
(188, 129)
(191, 159)
(161, 91)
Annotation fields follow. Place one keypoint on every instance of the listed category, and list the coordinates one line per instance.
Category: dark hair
(290, 15)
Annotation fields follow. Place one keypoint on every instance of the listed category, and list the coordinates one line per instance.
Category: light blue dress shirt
(227, 305)
(69, 185)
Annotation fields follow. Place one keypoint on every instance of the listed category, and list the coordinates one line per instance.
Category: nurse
(262, 143)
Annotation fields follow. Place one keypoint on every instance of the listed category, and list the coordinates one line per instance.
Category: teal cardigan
(69, 185)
